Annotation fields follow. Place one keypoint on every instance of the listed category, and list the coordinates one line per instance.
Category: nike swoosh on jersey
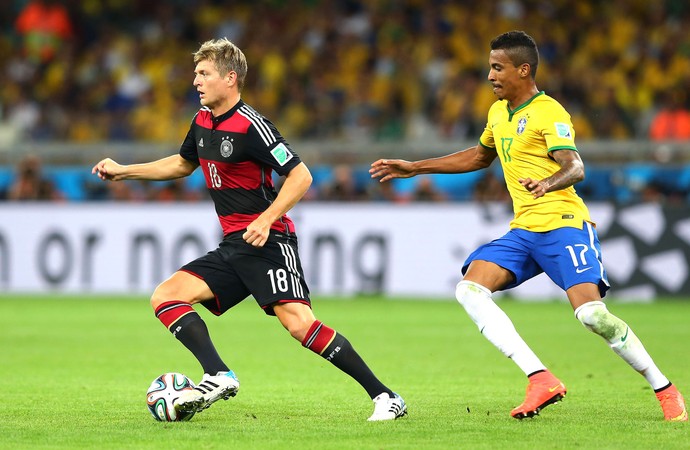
(582, 270)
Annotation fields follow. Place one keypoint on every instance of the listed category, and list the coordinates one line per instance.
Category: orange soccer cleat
(543, 389)
(672, 404)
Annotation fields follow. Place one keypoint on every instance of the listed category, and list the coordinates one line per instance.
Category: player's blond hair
(226, 56)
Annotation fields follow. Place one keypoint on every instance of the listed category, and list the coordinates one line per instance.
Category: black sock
(335, 348)
(191, 330)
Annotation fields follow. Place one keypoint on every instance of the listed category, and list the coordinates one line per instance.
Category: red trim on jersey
(213, 308)
(268, 309)
(204, 119)
(269, 176)
(282, 302)
(237, 222)
(170, 312)
(191, 273)
(236, 123)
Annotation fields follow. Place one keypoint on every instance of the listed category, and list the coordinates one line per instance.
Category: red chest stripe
(234, 124)
(221, 175)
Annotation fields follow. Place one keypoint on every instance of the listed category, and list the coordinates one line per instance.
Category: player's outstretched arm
(386, 169)
(108, 169)
(169, 168)
(468, 160)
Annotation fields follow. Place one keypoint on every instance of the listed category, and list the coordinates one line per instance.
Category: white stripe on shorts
(291, 263)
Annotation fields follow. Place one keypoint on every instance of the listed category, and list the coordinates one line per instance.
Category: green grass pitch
(74, 373)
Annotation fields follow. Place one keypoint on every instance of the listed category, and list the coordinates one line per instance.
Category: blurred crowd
(121, 70)
(626, 184)
(30, 181)
(91, 71)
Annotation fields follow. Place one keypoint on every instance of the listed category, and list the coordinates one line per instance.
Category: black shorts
(271, 274)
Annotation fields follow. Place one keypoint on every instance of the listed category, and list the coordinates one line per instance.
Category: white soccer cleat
(211, 389)
(189, 401)
(387, 408)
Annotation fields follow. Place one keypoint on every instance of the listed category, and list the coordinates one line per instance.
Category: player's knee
(156, 299)
(163, 293)
(476, 299)
(597, 318)
(298, 328)
(470, 294)
(296, 325)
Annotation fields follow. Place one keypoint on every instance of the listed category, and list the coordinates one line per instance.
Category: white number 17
(576, 263)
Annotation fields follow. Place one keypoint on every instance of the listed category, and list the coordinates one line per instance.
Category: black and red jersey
(238, 152)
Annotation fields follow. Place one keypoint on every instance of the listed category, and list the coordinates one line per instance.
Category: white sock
(597, 318)
(495, 325)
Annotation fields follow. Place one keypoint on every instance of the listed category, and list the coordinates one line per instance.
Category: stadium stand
(359, 72)
(623, 185)
(374, 70)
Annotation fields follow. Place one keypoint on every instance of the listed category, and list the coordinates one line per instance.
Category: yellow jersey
(523, 139)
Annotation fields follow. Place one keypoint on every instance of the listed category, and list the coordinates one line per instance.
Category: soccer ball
(163, 391)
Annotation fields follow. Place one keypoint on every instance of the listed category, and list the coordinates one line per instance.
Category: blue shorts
(569, 256)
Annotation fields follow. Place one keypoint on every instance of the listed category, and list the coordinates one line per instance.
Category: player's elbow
(572, 167)
(308, 180)
(302, 175)
(483, 164)
(575, 171)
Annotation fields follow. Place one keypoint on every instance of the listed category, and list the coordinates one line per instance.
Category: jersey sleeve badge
(281, 154)
(563, 130)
